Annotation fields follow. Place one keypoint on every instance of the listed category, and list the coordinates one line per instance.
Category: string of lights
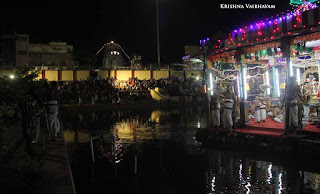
(266, 30)
(115, 53)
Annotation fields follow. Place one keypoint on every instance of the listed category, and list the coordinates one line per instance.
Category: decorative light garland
(238, 37)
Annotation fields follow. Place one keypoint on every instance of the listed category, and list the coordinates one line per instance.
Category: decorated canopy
(299, 2)
(303, 20)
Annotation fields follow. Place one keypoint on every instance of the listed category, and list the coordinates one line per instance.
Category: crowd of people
(111, 90)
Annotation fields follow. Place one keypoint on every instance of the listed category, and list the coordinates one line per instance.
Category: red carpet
(271, 128)
(271, 124)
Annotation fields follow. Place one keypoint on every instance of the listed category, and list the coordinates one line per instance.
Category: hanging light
(298, 75)
(267, 82)
(238, 85)
(277, 82)
(211, 84)
(291, 68)
(244, 76)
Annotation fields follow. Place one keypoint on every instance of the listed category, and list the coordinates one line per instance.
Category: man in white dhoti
(263, 111)
(215, 108)
(229, 99)
(52, 110)
(292, 93)
(257, 110)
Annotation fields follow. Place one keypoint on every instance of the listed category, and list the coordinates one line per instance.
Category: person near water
(52, 110)
(292, 93)
(30, 119)
(215, 108)
(229, 98)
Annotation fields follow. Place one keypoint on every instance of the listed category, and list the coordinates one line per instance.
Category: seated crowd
(111, 90)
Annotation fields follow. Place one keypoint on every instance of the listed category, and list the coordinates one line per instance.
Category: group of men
(30, 115)
(229, 107)
(290, 99)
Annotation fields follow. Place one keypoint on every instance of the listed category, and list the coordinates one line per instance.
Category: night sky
(131, 23)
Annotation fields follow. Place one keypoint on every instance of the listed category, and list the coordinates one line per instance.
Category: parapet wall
(122, 75)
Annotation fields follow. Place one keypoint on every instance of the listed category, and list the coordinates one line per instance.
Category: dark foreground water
(156, 151)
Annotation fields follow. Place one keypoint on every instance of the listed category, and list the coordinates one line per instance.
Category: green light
(299, 2)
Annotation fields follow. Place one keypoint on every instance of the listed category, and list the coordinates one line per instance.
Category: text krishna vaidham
(247, 6)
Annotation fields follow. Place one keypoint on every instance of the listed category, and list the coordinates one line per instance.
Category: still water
(156, 151)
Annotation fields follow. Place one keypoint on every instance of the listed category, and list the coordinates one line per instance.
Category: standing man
(215, 107)
(257, 111)
(30, 118)
(52, 110)
(292, 93)
(229, 99)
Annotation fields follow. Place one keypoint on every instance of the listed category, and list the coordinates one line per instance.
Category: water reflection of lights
(118, 151)
(280, 183)
(240, 172)
(269, 174)
(247, 186)
(213, 183)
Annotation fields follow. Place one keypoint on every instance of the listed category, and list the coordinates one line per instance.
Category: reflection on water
(157, 152)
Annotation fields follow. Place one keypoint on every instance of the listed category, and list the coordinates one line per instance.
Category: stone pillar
(74, 75)
(59, 75)
(43, 74)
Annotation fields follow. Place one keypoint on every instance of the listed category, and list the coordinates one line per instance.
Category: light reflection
(128, 128)
(240, 172)
(280, 183)
(247, 187)
(269, 174)
(213, 183)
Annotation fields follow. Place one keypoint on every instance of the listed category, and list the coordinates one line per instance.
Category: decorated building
(287, 43)
(267, 52)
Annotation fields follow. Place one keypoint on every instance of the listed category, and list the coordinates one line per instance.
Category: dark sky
(88, 24)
